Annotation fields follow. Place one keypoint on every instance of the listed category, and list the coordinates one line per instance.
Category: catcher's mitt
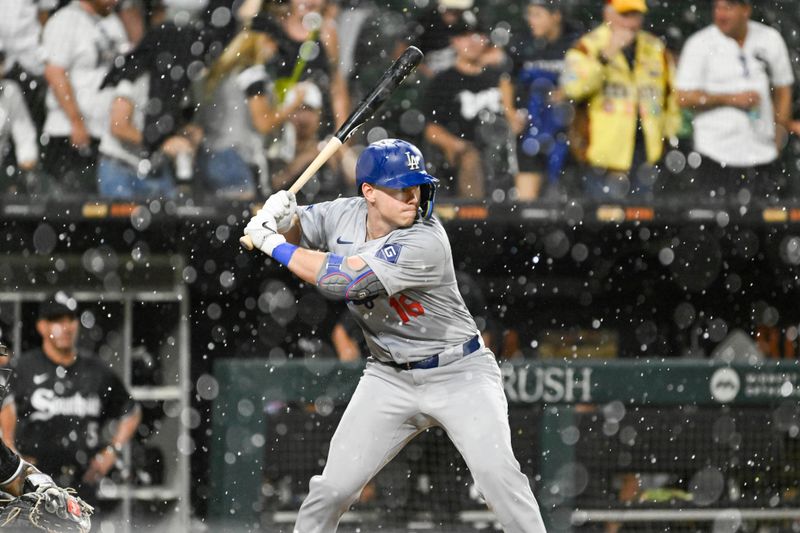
(50, 509)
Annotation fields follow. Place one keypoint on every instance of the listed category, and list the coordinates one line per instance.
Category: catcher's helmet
(397, 164)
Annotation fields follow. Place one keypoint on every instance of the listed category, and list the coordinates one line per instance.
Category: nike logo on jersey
(38, 379)
(340, 241)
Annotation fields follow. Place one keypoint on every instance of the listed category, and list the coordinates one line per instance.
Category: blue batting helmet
(397, 164)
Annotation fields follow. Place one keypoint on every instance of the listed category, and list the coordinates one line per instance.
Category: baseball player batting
(386, 255)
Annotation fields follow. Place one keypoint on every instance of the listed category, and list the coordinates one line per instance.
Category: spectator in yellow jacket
(620, 79)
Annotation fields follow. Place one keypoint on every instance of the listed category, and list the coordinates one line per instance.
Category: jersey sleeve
(780, 64)
(410, 259)
(125, 89)
(691, 65)
(56, 38)
(116, 399)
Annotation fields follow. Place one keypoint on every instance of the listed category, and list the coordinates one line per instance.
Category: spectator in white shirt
(20, 34)
(20, 39)
(16, 125)
(126, 171)
(736, 77)
(80, 43)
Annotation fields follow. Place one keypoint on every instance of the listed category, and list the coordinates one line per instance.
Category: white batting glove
(282, 205)
(262, 230)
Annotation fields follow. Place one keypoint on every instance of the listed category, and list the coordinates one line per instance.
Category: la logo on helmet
(412, 161)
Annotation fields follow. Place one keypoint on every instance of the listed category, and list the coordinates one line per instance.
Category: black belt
(467, 348)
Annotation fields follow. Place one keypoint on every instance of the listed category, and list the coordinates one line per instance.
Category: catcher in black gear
(29, 499)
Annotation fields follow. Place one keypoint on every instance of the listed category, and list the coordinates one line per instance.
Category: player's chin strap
(337, 280)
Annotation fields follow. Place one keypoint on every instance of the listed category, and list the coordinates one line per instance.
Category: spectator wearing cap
(620, 79)
(538, 59)
(431, 31)
(63, 399)
(471, 119)
(736, 77)
(302, 144)
(237, 111)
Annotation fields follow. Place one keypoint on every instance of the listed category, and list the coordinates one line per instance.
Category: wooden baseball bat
(390, 80)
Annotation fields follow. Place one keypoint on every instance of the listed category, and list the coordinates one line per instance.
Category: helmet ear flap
(427, 199)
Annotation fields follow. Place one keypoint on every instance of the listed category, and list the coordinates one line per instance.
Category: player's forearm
(62, 89)
(782, 103)
(340, 97)
(507, 96)
(306, 264)
(122, 126)
(247, 10)
(126, 428)
(10, 469)
(446, 141)
(17, 485)
(702, 100)
(265, 118)
(8, 425)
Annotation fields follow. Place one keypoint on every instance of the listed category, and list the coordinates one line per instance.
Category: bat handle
(326, 153)
(246, 242)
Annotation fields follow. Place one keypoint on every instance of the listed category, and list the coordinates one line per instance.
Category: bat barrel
(390, 80)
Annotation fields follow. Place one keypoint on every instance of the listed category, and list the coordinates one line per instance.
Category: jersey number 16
(406, 307)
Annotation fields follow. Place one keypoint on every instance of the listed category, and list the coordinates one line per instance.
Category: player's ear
(368, 191)
(41, 327)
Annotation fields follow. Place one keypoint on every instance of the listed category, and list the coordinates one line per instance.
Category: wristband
(283, 253)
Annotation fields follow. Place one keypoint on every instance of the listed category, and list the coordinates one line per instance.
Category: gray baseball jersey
(423, 312)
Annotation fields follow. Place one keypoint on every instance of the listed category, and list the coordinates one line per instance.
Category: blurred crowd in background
(543, 100)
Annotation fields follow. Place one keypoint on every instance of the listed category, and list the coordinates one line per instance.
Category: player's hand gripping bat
(390, 80)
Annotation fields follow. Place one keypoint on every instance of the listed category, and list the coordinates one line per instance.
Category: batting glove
(282, 205)
(262, 230)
